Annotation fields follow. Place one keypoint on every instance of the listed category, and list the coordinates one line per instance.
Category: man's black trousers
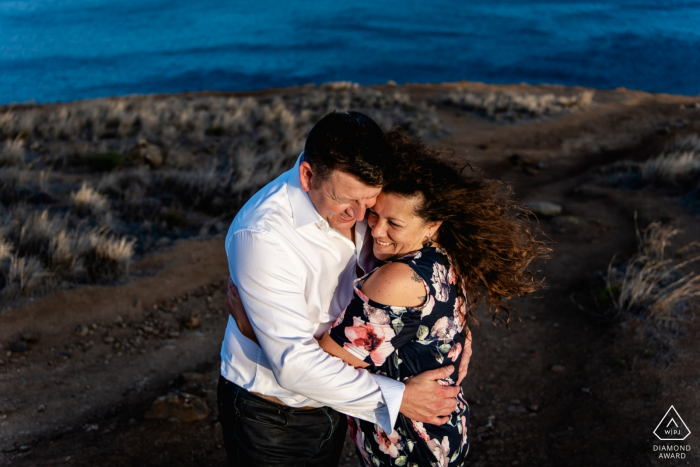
(261, 433)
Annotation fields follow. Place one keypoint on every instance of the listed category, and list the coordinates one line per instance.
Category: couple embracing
(354, 275)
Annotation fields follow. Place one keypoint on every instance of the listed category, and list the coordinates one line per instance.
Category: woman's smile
(382, 244)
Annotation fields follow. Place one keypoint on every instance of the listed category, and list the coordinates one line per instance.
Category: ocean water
(63, 50)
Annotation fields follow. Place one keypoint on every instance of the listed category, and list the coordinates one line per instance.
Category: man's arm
(423, 400)
(271, 287)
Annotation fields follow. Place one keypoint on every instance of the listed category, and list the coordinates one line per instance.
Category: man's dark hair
(350, 142)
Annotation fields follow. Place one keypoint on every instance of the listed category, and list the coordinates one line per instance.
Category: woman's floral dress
(400, 342)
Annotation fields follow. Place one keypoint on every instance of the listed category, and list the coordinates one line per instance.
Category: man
(294, 250)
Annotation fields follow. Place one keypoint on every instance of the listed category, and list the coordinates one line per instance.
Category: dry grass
(89, 202)
(5, 250)
(104, 256)
(24, 275)
(514, 107)
(649, 285)
(43, 249)
(673, 168)
(37, 232)
(151, 167)
(12, 153)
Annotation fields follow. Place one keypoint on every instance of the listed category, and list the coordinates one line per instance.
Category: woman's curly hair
(485, 232)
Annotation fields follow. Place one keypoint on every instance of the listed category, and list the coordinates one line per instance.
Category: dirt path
(562, 387)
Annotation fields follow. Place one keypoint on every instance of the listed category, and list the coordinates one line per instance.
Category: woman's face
(396, 229)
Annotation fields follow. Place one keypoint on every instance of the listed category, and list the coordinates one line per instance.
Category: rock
(534, 408)
(517, 409)
(24, 448)
(82, 331)
(41, 408)
(150, 153)
(173, 334)
(2, 362)
(558, 368)
(162, 241)
(561, 223)
(518, 160)
(544, 208)
(594, 190)
(30, 337)
(192, 322)
(19, 347)
(136, 304)
(147, 329)
(391, 83)
(108, 340)
(181, 407)
(192, 377)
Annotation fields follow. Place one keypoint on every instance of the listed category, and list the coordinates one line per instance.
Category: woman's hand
(466, 356)
(237, 312)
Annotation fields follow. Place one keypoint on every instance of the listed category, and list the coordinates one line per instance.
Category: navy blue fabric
(400, 342)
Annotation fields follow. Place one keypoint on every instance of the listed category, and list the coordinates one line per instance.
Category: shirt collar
(303, 210)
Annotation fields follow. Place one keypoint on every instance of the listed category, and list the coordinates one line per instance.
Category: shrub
(513, 107)
(106, 161)
(647, 284)
(37, 232)
(12, 153)
(88, 202)
(5, 250)
(674, 168)
(104, 255)
(24, 275)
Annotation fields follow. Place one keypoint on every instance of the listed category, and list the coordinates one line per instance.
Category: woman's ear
(433, 227)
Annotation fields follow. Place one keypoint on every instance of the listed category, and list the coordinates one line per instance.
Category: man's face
(341, 199)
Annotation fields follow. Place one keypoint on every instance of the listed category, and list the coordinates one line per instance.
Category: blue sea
(64, 50)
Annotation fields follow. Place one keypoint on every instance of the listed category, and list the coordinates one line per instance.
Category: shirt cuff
(392, 391)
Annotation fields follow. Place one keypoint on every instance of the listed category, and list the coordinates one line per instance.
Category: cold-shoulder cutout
(395, 284)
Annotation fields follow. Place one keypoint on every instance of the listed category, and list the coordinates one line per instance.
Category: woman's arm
(395, 284)
(329, 345)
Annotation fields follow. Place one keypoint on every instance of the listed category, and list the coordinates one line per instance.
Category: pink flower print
(420, 429)
(440, 282)
(451, 276)
(413, 254)
(441, 451)
(464, 430)
(388, 444)
(454, 352)
(340, 318)
(446, 382)
(359, 437)
(459, 313)
(427, 306)
(368, 339)
(376, 315)
(444, 329)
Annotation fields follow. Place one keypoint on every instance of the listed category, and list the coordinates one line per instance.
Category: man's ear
(306, 175)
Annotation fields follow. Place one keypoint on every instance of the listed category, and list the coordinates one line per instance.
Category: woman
(448, 241)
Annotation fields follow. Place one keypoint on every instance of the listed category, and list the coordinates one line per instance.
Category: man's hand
(236, 310)
(425, 400)
(466, 356)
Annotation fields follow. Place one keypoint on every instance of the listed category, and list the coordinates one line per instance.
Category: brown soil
(104, 354)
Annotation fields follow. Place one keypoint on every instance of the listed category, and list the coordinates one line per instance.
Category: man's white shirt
(294, 274)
